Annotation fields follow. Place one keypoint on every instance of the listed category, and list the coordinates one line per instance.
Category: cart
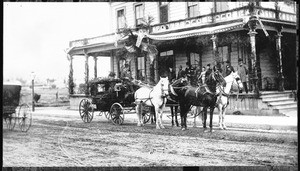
(112, 98)
(14, 114)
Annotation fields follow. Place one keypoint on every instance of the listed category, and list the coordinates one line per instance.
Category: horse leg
(220, 108)
(160, 118)
(176, 120)
(138, 112)
(204, 117)
(172, 114)
(195, 114)
(157, 111)
(211, 117)
(152, 115)
(223, 116)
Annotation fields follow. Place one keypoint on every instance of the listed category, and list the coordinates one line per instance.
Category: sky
(35, 36)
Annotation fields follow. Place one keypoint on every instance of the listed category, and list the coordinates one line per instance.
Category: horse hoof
(157, 127)
(183, 129)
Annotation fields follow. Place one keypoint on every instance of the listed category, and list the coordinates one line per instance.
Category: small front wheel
(24, 117)
(117, 113)
(86, 110)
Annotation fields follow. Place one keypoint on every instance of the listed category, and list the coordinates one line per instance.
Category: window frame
(160, 5)
(135, 13)
(193, 5)
(117, 21)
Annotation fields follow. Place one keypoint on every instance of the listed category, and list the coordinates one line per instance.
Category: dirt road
(67, 141)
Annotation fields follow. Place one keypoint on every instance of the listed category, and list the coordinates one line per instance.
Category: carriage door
(165, 60)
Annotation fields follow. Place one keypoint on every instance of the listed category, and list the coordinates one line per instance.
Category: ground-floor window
(223, 53)
(141, 68)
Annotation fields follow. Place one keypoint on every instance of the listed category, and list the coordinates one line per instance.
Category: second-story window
(221, 6)
(163, 11)
(193, 9)
(139, 14)
(121, 18)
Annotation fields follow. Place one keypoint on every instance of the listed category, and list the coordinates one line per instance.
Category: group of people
(197, 76)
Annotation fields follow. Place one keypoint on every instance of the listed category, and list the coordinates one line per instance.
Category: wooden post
(215, 57)
(95, 66)
(71, 80)
(252, 25)
(278, 48)
(86, 78)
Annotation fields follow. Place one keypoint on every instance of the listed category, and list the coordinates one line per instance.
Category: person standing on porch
(180, 72)
(229, 69)
(188, 71)
(243, 73)
(171, 75)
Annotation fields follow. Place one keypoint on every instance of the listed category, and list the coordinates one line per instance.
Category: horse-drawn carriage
(111, 97)
(13, 113)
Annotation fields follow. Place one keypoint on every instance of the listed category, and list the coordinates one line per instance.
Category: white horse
(222, 100)
(156, 96)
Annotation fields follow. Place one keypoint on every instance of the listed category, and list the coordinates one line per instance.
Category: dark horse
(188, 95)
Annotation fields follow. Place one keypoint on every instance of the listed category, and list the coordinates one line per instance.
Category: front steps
(283, 101)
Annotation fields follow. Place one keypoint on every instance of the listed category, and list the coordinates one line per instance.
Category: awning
(199, 32)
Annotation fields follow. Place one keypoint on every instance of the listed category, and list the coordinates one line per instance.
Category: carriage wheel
(117, 113)
(146, 114)
(86, 110)
(10, 121)
(24, 117)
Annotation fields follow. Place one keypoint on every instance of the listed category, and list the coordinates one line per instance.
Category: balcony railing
(108, 38)
(229, 15)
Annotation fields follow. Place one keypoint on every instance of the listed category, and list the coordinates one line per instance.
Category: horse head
(219, 78)
(164, 84)
(179, 83)
(237, 78)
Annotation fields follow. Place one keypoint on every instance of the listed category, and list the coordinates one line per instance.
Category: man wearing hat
(243, 73)
(229, 68)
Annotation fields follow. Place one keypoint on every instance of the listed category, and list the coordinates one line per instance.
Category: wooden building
(262, 34)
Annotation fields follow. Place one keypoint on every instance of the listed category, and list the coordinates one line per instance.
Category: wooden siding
(205, 7)
(268, 67)
(207, 55)
(178, 10)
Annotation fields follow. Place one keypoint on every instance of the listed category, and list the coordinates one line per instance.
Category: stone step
(282, 103)
(270, 100)
(291, 106)
(264, 93)
(288, 110)
(275, 96)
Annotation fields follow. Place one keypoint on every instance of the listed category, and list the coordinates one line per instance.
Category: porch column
(71, 80)
(86, 74)
(95, 67)
(254, 78)
(278, 48)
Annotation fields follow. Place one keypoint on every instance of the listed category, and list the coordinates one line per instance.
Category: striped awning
(199, 32)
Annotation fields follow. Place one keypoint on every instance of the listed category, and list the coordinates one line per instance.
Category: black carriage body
(10, 98)
(106, 92)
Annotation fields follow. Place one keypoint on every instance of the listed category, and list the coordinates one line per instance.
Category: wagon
(14, 114)
(112, 98)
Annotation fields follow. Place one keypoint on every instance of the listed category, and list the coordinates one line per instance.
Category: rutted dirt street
(67, 141)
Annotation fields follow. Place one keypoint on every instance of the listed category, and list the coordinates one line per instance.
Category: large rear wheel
(117, 113)
(24, 117)
(86, 110)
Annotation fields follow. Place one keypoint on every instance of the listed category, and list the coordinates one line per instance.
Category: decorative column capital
(252, 23)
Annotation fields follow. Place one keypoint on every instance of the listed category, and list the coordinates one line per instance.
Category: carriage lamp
(32, 86)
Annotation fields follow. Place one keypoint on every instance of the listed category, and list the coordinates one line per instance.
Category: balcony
(224, 16)
(220, 17)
